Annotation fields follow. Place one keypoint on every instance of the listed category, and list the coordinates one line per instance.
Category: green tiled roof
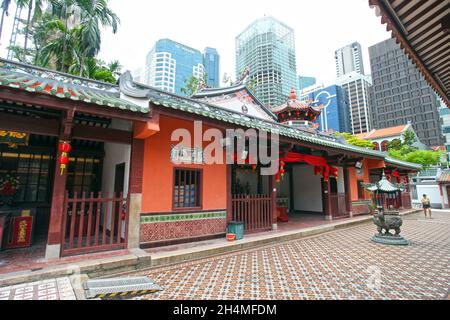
(172, 101)
(403, 163)
(63, 86)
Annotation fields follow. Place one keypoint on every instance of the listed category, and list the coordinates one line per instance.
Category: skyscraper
(444, 112)
(401, 94)
(170, 64)
(349, 59)
(211, 61)
(357, 87)
(305, 82)
(335, 115)
(267, 48)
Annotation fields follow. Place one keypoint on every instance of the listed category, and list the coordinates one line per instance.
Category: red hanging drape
(320, 163)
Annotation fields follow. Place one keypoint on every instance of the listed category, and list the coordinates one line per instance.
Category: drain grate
(120, 287)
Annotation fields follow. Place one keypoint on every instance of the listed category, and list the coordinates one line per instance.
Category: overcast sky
(321, 27)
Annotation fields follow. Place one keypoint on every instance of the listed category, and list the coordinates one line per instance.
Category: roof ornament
(292, 96)
(244, 75)
(127, 86)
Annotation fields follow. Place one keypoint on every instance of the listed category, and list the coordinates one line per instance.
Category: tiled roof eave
(410, 165)
(273, 128)
(65, 90)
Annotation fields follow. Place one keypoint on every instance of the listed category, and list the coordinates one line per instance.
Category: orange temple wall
(158, 170)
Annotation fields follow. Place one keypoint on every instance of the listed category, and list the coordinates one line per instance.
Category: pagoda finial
(292, 96)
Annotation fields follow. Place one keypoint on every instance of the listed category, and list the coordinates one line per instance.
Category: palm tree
(87, 15)
(63, 39)
(92, 15)
(34, 12)
(5, 7)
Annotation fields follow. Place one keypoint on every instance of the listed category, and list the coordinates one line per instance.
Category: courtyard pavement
(342, 264)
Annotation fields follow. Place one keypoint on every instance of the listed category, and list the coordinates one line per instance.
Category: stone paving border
(138, 259)
(51, 289)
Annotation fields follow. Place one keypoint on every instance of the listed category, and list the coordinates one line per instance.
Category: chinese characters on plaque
(183, 155)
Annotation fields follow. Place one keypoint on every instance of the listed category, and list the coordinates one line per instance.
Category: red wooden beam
(101, 134)
(13, 122)
(137, 166)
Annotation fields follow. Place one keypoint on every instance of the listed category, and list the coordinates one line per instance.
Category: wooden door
(119, 185)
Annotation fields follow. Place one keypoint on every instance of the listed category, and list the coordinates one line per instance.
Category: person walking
(426, 204)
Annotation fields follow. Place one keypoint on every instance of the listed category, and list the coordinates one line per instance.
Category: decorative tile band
(361, 202)
(155, 218)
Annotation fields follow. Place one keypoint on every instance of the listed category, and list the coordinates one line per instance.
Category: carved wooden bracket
(67, 124)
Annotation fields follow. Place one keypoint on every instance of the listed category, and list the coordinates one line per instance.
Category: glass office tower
(170, 64)
(267, 48)
(211, 61)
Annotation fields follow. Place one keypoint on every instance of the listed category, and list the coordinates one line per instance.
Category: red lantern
(64, 147)
(64, 160)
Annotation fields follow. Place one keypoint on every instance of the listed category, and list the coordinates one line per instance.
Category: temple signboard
(13, 139)
(183, 155)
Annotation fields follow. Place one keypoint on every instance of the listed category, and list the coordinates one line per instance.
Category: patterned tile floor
(342, 264)
(53, 289)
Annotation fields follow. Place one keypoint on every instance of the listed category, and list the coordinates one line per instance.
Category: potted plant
(373, 207)
(9, 186)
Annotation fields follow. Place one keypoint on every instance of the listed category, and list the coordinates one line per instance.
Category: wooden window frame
(33, 154)
(200, 190)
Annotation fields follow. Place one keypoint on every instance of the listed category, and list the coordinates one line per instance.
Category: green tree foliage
(409, 138)
(406, 152)
(67, 38)
(426, 158)
(354, 140)
(251, 85)
(395, 144)
(192, 84)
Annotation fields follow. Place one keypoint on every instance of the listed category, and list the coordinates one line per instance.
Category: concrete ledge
(138, 259)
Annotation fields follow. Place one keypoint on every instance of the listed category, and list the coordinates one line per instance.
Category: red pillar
(330, 213)
(273, 198)
(137, 166)
(229, 193)
(133, 226)
(348, 196)
(55, 228)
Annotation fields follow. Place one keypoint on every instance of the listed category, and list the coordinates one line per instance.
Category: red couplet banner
(21, 232)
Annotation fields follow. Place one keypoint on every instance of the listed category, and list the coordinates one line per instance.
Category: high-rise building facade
(267, 48)
(211, 61)
(349, 59)
(357, 87)
(444, 113)
(305, 82)
(170, 64)
(335, 114)
(401, 94)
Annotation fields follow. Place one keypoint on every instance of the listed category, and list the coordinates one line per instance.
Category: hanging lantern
(254, 166)
(64, 147)
(277, 177)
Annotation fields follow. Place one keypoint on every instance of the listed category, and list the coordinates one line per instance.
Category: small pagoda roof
(384, 185)
(293, 104)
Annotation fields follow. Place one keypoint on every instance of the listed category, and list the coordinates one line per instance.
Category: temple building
(87, 166)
